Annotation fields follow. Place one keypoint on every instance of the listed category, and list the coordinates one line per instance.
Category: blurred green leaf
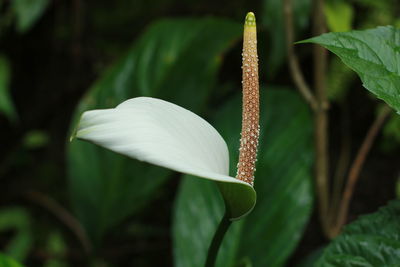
(28, 12)
(56, 246)
(374, 55)
(8, 262)
(6, 104)
(283, 185)
(14, 218)
(198, 210)
(392, 129)
(339, 15)
(311, 259)
(340, 78)
(272, 19)
(372, 240)
(35, 139)
(176, 60)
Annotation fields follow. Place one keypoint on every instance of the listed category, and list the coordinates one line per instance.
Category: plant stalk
(321, 119)
(217, 240)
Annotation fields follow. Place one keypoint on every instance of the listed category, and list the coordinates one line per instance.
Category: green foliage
(17, 219)
(372, 240)
(272, 19)
(28, 12)
(391, 130)
(171, 60)
(339, 15)
(374, 55)
(35, 139)
(339, 78)
(6, 104)
(8, 262)
(268, 235)
(56, 246)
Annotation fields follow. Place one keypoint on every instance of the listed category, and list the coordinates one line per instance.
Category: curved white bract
(164, 134)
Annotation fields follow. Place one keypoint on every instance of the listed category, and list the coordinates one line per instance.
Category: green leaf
(198, 210)
(375, 56)
(268, 235)
(8, 262)
(17, 219)
(174, 60)
(272, 19)
(339, 15)
(28, 12)
(6, 104)
(372, 240)
(311, 259)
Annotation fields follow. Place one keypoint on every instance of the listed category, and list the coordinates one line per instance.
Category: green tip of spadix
(250, 19)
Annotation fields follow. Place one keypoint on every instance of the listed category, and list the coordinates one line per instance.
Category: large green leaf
(6, 104)
(374, 54)
(199, 209)
(173, 59)
(268, 235)
(28, 12)
(372, 240)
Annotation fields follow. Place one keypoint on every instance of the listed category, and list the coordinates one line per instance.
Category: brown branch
(356, 167)
(63, 215)
(319, 103)
(321, 119)
(295, 71)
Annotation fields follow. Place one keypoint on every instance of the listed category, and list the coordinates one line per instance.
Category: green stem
(217, 240)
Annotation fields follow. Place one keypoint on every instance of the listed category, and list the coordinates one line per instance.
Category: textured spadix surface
(164, 134)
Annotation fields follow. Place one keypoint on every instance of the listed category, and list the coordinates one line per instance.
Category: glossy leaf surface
(372, 240)
(375, 56)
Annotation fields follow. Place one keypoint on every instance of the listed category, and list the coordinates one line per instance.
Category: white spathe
(161, 133)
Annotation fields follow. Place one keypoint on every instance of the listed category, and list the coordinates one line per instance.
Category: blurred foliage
(27, 12)
(17, 219)
(6, 104)
(340, 77)
(391, 132)
(339, 15)
(8, 262)
(35, 139)
(283, 178)
(56, 246)
(372, 240)
(272, 18)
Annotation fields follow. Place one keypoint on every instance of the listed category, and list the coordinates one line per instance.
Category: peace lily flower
(164, 134)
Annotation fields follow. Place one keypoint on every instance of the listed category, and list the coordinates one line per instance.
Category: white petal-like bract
(164, 134)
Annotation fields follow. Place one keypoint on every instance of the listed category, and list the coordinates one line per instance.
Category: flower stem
(217, 240)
